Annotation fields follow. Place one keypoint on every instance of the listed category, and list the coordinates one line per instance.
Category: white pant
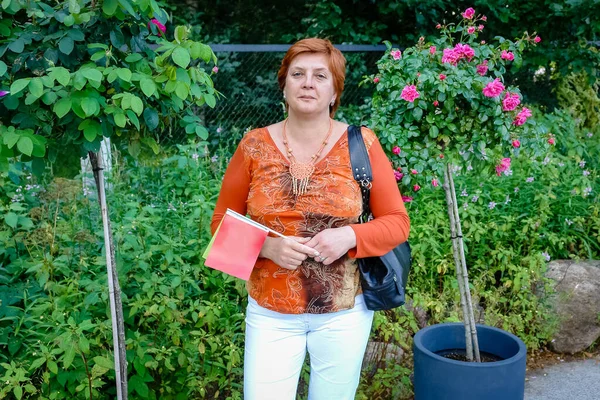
(276, 346)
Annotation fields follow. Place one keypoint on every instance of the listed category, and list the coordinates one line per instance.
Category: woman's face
(309, 84)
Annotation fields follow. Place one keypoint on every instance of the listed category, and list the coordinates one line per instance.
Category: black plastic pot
(439, 378)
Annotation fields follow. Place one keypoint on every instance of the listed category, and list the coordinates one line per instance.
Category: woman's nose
(308, 81)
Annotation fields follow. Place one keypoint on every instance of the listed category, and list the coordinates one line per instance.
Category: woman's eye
(321, 76)
(296, 74)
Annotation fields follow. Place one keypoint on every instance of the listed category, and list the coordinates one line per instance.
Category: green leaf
(3, 68)
(210, 100)
(127, 6)
(62, 107)
(84, 344)
(25, 145)
(181, 57)
(150, 142)
(66, 45)
(6, 4)
(11, 219)
(137, 383)
(151, 118)
(133, 118)
(10, 139)
(120, 120)
(418, 113)
(52, 367)
(18, 392)
(17, 46)
(49, 98)
(124, 74)
(137, 105)
(36, 87)
(62, 75)
(19, 85)
(37, 363)
(92, 74)
(91, 130)
(104, 362)
(201, 132)
(148, 86)
(110, 7)
(135, 57)
(69, 357)
(90, 106)
(182, 91)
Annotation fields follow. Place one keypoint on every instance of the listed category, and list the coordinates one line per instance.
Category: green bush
(185, 323)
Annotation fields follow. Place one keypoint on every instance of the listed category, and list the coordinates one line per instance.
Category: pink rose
(409, 93)
(504, 166)
(396, 150)
(442, 77)
(507, 55)
(483, 18)
(396, 54)
(482, 68)
(436, 103)
(398, 175)
(432, 50)
(510, 102)
(480, 28)
(537, 39)
(450, 56)
(414, 171)
(483, 42)
(376, 79)
(469, 13)
(522, 116)
(471, 30)
(416, 188)
(465, 51)
(516, 143)
(407, 199)
(435, 183)
(438, 26)
(551, 141)
(160, 26)
(493, 89)
(215, 69)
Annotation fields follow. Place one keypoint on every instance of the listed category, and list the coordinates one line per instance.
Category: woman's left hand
(332, 243)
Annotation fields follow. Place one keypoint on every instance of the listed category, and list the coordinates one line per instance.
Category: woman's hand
(288, 253)
(332, 243)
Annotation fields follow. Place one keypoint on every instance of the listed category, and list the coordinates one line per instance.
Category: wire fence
(247, 79)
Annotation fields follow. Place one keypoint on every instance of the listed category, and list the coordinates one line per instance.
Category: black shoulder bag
(383, 278)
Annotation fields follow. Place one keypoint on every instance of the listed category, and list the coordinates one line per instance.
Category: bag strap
(361, 167)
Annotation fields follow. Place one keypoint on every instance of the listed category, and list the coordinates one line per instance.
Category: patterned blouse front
(257, 182)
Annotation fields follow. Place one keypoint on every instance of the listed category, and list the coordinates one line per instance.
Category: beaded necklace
(301, 172)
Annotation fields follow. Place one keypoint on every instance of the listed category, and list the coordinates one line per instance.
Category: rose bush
(444, 101)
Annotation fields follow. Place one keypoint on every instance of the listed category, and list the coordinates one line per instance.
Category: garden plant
(76, 72)
(442, 106)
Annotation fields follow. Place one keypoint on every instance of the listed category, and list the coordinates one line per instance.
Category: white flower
(492, 205)
(568, 221)
(474, 198)
(195, 156)
(516, 190)
(546, 256)
(464, 193)
(529, 180)
(582, 163)
(586, 172)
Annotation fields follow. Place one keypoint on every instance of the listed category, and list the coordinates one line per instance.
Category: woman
(304, 292)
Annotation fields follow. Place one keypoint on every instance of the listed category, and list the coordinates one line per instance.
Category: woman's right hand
(288, 253)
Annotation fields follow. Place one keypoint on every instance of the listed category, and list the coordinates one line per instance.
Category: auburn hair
(337, 64)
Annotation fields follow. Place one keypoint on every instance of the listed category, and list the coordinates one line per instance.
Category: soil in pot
(461, 355)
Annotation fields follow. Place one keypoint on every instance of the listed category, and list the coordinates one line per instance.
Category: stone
(576, 304)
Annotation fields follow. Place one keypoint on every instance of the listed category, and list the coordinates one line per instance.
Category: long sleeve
(234, 190)
(391, 224)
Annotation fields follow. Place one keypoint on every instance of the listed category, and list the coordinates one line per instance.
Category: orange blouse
(257, 182)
